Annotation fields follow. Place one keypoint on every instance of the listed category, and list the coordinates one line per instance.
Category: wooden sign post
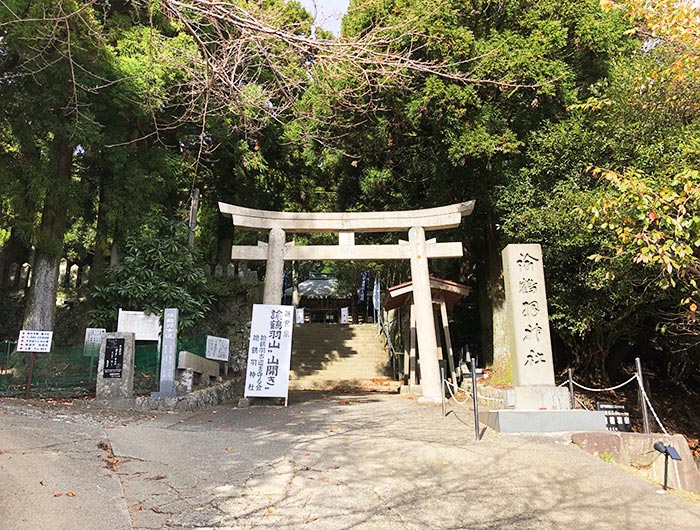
(33, 342)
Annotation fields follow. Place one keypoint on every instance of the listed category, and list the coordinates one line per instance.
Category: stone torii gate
(277, 250)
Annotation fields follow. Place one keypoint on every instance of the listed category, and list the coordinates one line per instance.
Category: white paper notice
(269, 351)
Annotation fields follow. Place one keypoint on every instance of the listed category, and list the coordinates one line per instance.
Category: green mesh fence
(70, 371)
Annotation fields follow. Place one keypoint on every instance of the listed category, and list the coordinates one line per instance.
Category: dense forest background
(572, 123)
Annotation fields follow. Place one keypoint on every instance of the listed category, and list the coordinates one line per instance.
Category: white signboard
(34, 341)
(143, 326)
(344, 315)
(93, 339)
(217, 348)
(300, 315)
(270, 351)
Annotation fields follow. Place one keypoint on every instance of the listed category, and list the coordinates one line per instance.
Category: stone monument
(528, 330)
(115, 369)
(168, 354)
(538, 405)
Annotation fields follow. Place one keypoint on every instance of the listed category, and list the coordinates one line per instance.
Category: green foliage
(557, 87)
(637, 224)
(607, 456)
(158, 271)
(654, 222)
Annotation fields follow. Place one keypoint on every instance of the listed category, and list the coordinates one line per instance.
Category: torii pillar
(431, 381)
(274, 272)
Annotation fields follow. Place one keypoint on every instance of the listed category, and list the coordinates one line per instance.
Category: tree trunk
(99, 260)
(41, 304)
(42, 294)
(224, 241)
(492, 301)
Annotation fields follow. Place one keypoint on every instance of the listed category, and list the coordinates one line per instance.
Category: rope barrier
(603, 389)
(656, 417)
(582, 404)
(450, 384)
(449, 388)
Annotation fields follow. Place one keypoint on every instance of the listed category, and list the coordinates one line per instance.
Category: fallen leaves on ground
(228, 448)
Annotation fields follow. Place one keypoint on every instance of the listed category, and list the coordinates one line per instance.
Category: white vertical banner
(344, 315)
(269, 351)
(300, 315)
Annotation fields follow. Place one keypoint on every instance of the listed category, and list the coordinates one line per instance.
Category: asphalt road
(325, 462)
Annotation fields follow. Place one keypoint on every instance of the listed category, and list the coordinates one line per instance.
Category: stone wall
(228, 391)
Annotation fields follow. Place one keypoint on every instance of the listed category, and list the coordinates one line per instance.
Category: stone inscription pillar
(274, 271)
(168, 354)
(528, 320)
(425, 323)
(115, 369)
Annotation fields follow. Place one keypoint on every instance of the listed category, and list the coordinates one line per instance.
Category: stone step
(358, 384)
(332, 356)
(376, 370)
(334, 353)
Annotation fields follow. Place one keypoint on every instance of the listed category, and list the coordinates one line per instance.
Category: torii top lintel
(430, 219)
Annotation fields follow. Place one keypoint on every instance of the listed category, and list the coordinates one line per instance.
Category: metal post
(571, 389)
(442, 389)
(640, 380)
(475, 400)
(92, 366)
(666, 471)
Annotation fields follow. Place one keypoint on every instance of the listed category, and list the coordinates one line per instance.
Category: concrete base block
(208, 369)
(244, 403)
(637, 450)
(411, 390)
(539, 397)
(508, 420)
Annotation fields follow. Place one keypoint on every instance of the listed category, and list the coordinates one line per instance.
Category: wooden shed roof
(452, 292)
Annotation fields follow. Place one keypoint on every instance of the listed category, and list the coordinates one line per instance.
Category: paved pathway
(325, 462)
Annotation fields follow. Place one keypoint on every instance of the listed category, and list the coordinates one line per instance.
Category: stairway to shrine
(339, 357)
